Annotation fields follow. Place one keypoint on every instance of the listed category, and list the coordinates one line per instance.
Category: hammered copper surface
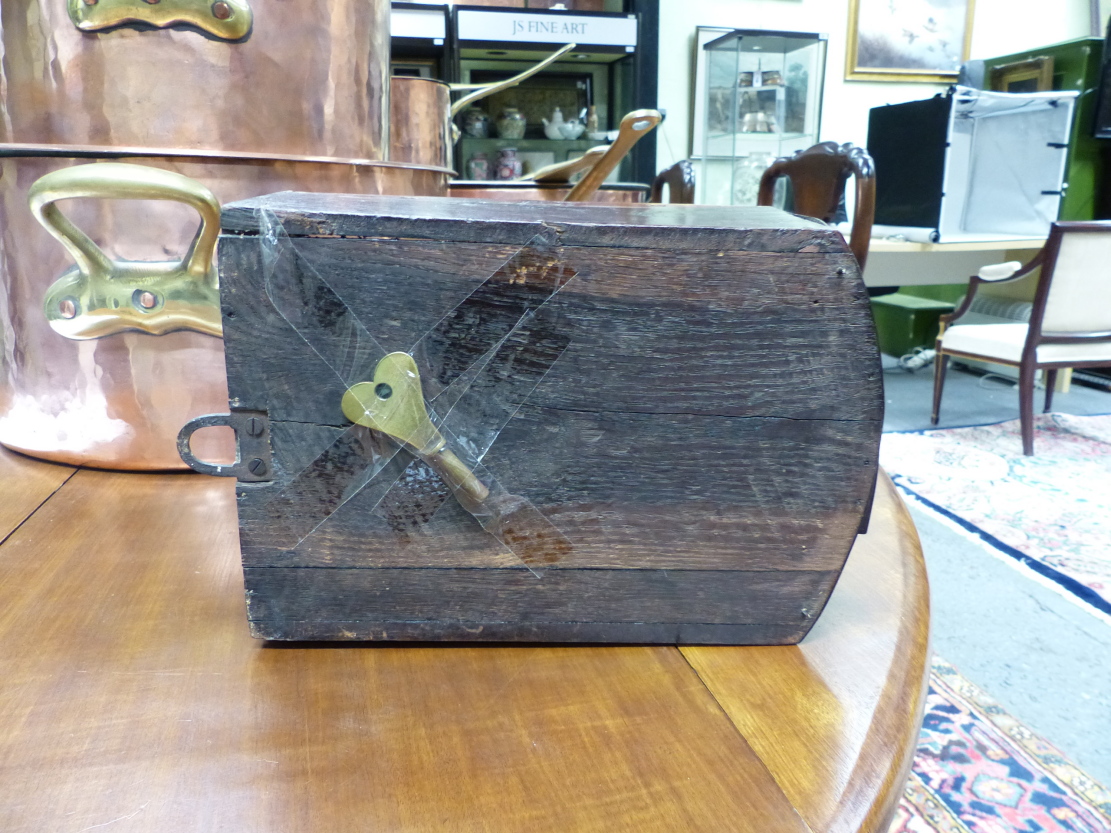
(119, 401)
(420, 121)
(310, 78)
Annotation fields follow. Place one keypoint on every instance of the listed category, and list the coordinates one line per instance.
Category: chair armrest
(995, 273)
(999, 271)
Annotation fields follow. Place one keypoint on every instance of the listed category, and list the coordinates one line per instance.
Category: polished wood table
(133, 699)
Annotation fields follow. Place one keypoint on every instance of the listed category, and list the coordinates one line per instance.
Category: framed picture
(908, 40)
(1033, 76)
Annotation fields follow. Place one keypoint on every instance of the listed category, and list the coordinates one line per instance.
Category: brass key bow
(393, 404)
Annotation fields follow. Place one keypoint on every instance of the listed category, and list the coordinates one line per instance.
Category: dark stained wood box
(677, 410)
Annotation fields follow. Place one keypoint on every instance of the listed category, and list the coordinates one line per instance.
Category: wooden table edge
(907, 723)
(871, 796)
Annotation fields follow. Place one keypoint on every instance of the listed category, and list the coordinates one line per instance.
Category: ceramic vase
(475, 123)
(478, 167)
(509, 165)
(511, 124)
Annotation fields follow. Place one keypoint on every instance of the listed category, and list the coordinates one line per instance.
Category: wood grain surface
(688, 400)
(737, 228)
(875, 626)
(24, 485)
(133, 699)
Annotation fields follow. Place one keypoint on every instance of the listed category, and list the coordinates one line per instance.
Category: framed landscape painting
(908, 40)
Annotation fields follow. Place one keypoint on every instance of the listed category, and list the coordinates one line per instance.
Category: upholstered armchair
(1070, 322)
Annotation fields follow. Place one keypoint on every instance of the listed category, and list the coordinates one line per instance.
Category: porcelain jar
(509, 165)
(511, 124)
(478, 167)
(475, 123)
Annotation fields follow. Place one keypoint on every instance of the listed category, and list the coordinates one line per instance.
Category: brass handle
(100, 296)
(485, 90)
(224, 19)
(563, 171)
(393, 404)
(635, 125)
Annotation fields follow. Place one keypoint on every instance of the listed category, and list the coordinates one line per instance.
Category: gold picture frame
(893, 40)
(1032, 76)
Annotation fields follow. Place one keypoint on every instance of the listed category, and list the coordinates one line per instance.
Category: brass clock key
(393, 404)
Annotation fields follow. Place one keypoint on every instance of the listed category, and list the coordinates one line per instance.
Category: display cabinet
(592, 84)
(762, 100)
(612, 71)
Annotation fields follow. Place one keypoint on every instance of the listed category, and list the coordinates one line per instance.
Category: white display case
(763, 100)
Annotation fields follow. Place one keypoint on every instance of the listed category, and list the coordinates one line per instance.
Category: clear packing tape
(423, 418)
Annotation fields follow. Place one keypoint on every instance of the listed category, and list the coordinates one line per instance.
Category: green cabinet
(905, 321)
(1075, 66)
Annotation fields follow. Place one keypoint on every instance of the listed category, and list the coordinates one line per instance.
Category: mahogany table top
(133, 699)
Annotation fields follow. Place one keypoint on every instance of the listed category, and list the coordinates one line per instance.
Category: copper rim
(94, 152)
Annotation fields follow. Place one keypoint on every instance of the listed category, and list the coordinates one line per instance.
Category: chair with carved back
(818, 176)
(1070, 321)
(679, 180)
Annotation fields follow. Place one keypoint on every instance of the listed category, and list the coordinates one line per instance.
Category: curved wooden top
(131, 695)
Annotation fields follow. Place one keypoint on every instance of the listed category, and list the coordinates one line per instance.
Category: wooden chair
(1070, 322)
(818, 176)
(679, 179)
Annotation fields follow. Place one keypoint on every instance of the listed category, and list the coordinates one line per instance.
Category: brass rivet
(148, 300)
(221, 10)
(67, 308)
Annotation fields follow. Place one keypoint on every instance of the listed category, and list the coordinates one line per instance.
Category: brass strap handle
(635, 125)
(484, 90)
(101, 296)
(561, 172)
(224, 19)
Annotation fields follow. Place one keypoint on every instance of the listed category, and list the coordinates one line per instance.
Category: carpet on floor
(978, 770)
(1050, 512)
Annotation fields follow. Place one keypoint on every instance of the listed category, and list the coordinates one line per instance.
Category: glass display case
(763, 99)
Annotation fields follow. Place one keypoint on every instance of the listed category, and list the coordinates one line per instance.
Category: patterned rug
(978, 770)
(1051, 511)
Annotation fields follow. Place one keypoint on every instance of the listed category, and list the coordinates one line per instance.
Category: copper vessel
(308, 77)
(420, 126)
(516, 190)
(118, 400)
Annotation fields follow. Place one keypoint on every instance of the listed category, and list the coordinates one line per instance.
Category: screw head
(254, 427)
(257, 467)
(221, 10)
(841, 271)
(67, 308)
(145, 299)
